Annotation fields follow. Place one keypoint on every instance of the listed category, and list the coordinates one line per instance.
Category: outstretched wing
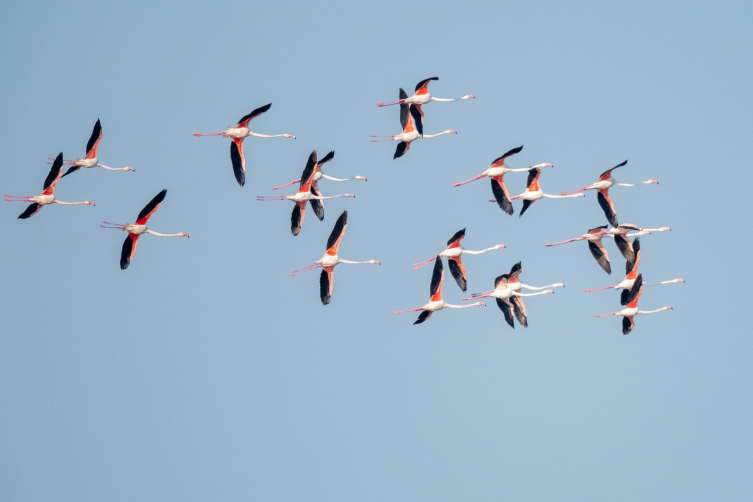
(631, 267)
(515, 271)
(91, 146)
(418, 118)
(627, 325)
(317, 204)
(326, 282)
(327, 158)
(533, 177)
(500, 161)
(424, 315)
(458, 272)
(243, 122)
(437, 278)
(423, 86)
(623, 244)
(501, 279)
(30, 211)
(404, 112)
(501, 195)
(520, 310)
(150, 208)
(526, 205)
(238, 160)
(606, 204)
(54, 176)
(624, 297)
(600, 253)
(333, 243)
(608, 173)
(506, 309)
(129, 249)
(308, 173)
(296, 219)
(635, 292)
(455, 239)
(402, 147)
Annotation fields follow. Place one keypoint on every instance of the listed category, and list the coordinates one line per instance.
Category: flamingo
(329, 261)
(318, 174)
(48, 195)
(497, 174)
(534, 192)
(453, 252)
(422, 96)
(508, 300)
(411, 118)
(91, 155)
(631, 310)
(136, 229)
(632, 273)
(237, 134)
(436, 302)
(619, 234)
(605, 182)
(305, 193)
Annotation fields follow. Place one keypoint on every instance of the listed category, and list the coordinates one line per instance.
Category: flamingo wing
(623, 244)
(296, 219)
(404, 110)
(317, 205)
(54, 176)
(326, 282)
(243, 122)
(91, 146)
(600, 253)
(526, 205)
(455, 239)
(506, 309)
(608, 206)
(327, 158)
(520, 310)
(597, 229)
(333, 243)
(628, 323)
(30, 211)
(424, 315)
(501, 279)
(500, 161)
(458, 272)
(624, 297)
(533, 177)
(129, 249)
(150, 208)
(418, 118)
(402, 147)
(437, 278)
(635, 292)
(423, 86)
(515, 271)
(501, 194)
(308, 173)
(608, 173)
(631, 268)
(238, 160)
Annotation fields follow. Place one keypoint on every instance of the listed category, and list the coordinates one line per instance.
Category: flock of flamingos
(507, 287)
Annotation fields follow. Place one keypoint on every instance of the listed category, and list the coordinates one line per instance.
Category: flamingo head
(469, 96)
(663, 229)
(549, 292)
(375, 262)
(652, 181)
(559, 285)
(451, 131)
(290, 136)
(679, 280)
(129, 168)
(361, 178)
(184, 235)
(499, 246)
(349, 195)
(88, 202)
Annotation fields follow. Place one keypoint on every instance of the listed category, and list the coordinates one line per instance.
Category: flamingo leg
(468, 181)
(420, 264)
(305, 269)
(405, 311)
(598, 289)
(287, 184)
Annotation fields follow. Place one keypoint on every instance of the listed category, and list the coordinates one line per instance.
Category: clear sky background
(204, 372)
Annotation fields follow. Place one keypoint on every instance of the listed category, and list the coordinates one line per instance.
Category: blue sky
(204, 372)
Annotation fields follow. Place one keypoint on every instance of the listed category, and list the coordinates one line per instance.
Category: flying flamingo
(48, 195)
(422, 96)
(136, 229)
(453, 252)
(411, 118)
(305, 193)
(497, 174)
(436, 302)
(514, 280)
(605, 182)
(534, 191)
(629, 279)
(329, 261)
(632, 307)
(619, 234)
(237, 134)
(508, 300)
(91, 155)
(318, 174)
